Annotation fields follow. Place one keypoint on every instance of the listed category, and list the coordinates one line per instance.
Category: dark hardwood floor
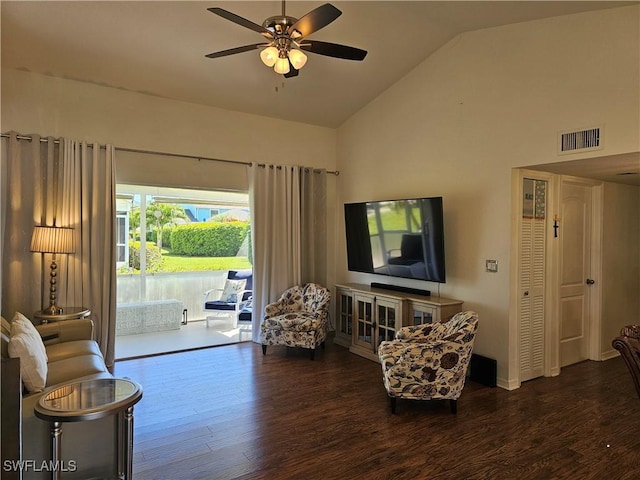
(229, 413)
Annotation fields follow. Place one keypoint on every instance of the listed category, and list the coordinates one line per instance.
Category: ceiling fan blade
(241, 21)
(233, 51)
(314, 20)
(292, 72)
(333, 50)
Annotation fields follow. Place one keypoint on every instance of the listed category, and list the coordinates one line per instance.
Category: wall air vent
(580, 140)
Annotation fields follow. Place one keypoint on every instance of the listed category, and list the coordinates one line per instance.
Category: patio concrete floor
(195, 334)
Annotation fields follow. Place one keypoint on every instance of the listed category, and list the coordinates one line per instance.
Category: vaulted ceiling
(159, 47)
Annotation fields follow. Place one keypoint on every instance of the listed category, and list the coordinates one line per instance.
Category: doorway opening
(174, 245)
(556, 301)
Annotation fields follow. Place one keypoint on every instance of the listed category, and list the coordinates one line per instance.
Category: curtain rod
(166, 154)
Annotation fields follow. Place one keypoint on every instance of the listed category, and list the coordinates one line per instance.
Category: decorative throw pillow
(26, 344)
(232, 288)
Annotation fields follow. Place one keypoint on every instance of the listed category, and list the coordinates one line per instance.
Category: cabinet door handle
(590, 281)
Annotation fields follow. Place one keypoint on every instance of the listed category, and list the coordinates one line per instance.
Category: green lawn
(395, 220)
(173, 263)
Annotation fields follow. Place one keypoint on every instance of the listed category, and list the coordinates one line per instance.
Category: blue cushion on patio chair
(237, 304)
(218, 305)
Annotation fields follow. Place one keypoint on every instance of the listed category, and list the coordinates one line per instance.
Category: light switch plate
(492, 265)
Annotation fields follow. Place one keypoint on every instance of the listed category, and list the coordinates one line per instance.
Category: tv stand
(368, 314)
(397, 288)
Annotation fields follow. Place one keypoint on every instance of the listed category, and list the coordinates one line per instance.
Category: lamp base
(53, 310)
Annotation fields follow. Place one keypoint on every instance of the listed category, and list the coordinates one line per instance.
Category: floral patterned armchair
(298, 319)
(429, 362)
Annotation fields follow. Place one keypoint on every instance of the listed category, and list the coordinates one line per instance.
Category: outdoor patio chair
(231, 302)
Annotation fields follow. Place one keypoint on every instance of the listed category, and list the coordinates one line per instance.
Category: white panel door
(575, 264)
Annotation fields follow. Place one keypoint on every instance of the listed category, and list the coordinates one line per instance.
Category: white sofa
(72, 354)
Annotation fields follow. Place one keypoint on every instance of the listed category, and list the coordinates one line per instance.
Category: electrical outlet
(492, 266)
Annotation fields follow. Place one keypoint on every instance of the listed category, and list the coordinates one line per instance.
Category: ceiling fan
(286, 39)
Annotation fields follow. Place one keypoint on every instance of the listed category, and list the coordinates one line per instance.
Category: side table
(67, 313)
(89, 400)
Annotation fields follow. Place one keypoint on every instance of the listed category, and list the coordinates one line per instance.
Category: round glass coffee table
(89, 400)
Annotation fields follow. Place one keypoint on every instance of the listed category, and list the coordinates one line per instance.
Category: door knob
(590, 281)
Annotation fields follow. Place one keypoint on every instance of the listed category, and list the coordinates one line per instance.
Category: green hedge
(210, 239)
(153, 255)
(152, 236)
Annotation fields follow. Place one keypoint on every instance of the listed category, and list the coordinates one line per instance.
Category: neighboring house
(456, 126)
(204, 213)
(200, 213)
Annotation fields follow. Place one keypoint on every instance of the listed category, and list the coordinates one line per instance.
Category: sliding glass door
(173, 245)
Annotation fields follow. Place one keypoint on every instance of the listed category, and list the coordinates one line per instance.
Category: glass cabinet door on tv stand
(376, 318)
(421, 314)
(388, 319)
(363, 308)
(344, 317)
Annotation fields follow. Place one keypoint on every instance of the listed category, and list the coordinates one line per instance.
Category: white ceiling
(158, 48)
(623, 168)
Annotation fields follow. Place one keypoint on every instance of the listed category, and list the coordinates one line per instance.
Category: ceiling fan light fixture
(298, 58)
(269, 56)
(282, 66)
(283, 33)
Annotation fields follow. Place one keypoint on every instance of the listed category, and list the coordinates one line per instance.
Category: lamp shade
(282, 66)
(52, 239)
(269, 56)
(298, 59)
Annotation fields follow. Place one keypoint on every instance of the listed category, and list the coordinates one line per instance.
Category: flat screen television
(398, 238)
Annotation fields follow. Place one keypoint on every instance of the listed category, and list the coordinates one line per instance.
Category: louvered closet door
(532, 272)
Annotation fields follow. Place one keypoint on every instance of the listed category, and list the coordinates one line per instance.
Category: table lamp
(52, 240)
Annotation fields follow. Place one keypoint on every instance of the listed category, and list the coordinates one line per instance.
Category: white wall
(456, 125)
(620, 262)
(33, 103)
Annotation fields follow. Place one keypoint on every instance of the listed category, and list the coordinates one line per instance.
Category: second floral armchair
(299, 318)
(429, 361)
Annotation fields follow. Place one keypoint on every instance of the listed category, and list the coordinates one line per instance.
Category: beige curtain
(288, 225)
(69, 185)
(24, 194)
(313, 226)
